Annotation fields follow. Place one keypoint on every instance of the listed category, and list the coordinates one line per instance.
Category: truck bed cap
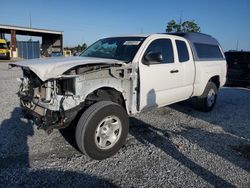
(200, 38)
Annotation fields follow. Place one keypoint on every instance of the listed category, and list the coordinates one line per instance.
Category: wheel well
(215, 80)
(106, 94)
(101, 94)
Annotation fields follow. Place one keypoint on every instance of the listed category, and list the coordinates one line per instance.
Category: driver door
(160, 82)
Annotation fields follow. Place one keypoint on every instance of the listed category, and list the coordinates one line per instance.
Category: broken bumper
(45, 118)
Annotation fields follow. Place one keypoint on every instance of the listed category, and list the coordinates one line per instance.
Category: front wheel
(207, 100)
(102, 130)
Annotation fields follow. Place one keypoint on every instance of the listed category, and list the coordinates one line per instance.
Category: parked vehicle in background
(67, 53)
(238, 63)
(120, 76)
(56, 54)
(4, 51)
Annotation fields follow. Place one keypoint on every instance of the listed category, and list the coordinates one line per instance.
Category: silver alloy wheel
(211, 97)
(108, 132)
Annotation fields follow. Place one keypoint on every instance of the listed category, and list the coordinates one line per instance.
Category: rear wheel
(208, 99)
(102, 130)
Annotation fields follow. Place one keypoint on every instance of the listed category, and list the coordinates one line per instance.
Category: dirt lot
(174, 146)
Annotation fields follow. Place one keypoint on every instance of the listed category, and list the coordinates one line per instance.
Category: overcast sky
(87, 21)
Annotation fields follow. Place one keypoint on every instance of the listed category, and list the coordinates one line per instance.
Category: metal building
(52, 41)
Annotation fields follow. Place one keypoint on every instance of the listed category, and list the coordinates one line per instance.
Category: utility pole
(141, 30)
(30, 21)
(30, 25)
(181, 18)
(180, 22)
(237, 45)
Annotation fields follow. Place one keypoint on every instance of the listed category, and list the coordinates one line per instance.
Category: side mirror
(153, 58)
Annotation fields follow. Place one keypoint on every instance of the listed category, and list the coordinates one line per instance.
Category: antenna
(237, 45)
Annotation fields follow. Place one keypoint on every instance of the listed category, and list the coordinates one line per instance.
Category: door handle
(174, 71)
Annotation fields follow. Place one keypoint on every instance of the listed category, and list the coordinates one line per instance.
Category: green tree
(84, 46)
(186, 26)
(80, 48)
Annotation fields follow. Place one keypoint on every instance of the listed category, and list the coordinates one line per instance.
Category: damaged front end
(53, 93)
(43, 101)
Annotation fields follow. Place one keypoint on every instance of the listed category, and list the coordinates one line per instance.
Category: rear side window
(208, 51)
(182, 51)
(164, 46)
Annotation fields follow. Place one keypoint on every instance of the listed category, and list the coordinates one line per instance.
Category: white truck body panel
(206, 70)
(159, 87)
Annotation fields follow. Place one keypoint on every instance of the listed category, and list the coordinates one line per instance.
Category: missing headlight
(66, 86)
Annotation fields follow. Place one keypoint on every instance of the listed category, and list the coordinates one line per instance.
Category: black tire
(87, 127)
(204, 103)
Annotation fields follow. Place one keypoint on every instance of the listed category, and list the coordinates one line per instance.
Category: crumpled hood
(47, 68)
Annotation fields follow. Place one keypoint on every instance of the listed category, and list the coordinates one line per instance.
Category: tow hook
(49, 131)
(45, 127)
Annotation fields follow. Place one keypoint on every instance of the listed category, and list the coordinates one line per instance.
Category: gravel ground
(174, 146)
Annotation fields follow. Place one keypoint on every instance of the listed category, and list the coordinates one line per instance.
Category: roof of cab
(191, 37)
(195, 37)
(200, 38)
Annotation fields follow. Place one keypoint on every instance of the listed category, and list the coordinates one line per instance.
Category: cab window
(164, 47)
(206, 51)
(182, 51)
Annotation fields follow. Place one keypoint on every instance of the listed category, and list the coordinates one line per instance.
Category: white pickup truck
(116, 77)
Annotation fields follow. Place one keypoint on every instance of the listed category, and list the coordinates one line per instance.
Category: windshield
(120, 48)
(3, 46)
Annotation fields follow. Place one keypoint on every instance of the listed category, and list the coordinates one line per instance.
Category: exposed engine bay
(56, 102)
